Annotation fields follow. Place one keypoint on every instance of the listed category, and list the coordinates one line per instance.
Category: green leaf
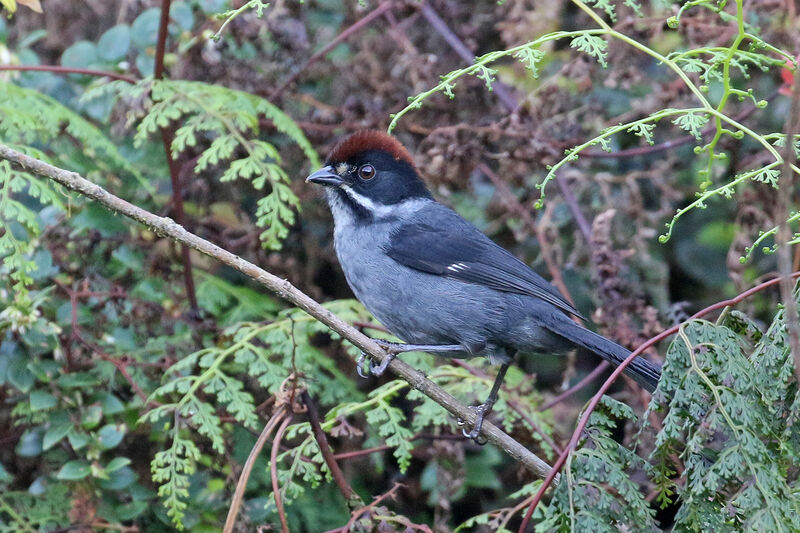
(593, 45)
(74, 470)
(41, 400)
(144, 30)
(116, 463)
(55, 433)
(131, 510)
(114, 43)
(110, 435)
(77, 439)
(80, 55)
(20, 375)
(30, 443)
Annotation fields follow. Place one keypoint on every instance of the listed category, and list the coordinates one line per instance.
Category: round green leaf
(110, 404)
(182, 14)
(114, 43)
(144, 30)
(74, 470)
(79, 55)
(20, 375)
(110, 435)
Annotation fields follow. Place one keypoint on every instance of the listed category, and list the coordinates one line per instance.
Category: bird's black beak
(325, 176)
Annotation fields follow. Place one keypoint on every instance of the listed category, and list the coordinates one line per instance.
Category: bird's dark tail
(641, 370)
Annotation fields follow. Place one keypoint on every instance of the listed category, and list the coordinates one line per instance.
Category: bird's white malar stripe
(363, 201)
(380, 210)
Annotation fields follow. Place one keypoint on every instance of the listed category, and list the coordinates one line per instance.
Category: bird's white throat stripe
(379, 210)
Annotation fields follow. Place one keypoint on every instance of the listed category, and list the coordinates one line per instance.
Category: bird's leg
(486, 407)
(394, 348)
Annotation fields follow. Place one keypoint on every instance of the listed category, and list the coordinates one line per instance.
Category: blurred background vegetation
(85, 341)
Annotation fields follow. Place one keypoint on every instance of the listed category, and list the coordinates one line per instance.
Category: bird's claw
(360, 365)
(374, 370)
(475, 434)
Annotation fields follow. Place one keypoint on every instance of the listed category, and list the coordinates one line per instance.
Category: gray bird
(434, 280)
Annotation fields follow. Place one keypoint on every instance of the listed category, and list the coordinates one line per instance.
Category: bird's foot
(475, 434)
(373, 369)
(394, 348)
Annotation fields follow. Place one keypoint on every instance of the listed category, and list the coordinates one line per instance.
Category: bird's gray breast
(418, 307)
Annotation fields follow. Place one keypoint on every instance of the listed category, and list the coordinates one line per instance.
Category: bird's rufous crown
(367, 140)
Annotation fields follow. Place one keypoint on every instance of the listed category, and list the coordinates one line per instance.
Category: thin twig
(588, 378)
(70, 70)
(353, 500)
(241, 485)
(383, 448)
(276, 489)
(616, 373)
(363, 21)
(502, 92)
(360, 512)
(161, 41)
(282, 288)
(174, 170)
(572, 204)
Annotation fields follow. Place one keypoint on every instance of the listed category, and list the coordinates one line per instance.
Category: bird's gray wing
(463, 253)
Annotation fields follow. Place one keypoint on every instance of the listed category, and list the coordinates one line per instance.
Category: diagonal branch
(166, 227)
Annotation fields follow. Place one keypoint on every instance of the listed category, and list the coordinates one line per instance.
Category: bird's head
(370, 174)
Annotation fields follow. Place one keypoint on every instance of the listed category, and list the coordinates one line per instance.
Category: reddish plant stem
(174, 169)
(616, 373)
(119, 365)
(273, 471)
(588, 378)
(161, 42)
(75, 335)
(363, 21)
(383, 448)
(350, 496)
(69, 70)
(358, 513)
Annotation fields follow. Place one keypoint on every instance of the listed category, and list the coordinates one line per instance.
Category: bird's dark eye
(366, 172)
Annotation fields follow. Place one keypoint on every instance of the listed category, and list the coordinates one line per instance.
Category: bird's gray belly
(422, 308)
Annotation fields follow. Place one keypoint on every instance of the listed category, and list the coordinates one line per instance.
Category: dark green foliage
(730, 397)
(596, 492)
